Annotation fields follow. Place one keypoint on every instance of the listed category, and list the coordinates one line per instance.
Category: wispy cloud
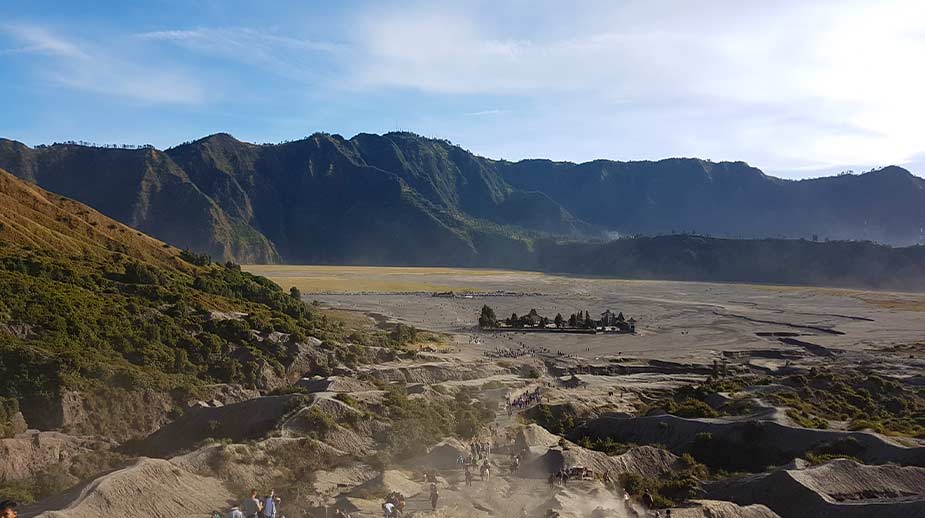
(284, 55)
(237, 38)
(485, 112)
(92, 68)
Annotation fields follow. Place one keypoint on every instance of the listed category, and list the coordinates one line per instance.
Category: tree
(573, 320)
(588, 322)
(295, 293)
(558, 320)
(487, 317)
(515, 320)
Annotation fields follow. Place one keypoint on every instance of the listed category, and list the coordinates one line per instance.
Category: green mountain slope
(142, 188)
(104, 330)
(731, 199)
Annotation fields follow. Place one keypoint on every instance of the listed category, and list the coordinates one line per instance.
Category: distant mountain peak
(893, 170)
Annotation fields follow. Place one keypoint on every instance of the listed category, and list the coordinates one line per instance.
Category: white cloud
(92, 68)
(787, 85)
(286, 56)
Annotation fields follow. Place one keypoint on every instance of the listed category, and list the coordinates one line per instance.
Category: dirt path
(506, 494)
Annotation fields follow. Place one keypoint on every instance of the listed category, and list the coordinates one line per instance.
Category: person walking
(647, 500)
(8, 509)
(236, 512)
(252, 505)
(468, 477)
(433, 497)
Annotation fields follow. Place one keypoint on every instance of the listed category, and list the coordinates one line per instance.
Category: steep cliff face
(142, 188)
(400, 198)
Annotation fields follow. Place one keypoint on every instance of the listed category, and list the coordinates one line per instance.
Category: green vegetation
(690, 400)
(671, 488)
(607, 445)
(487, 317)
(418, 423)
(8, 408)
(866, 401)
(102, 323)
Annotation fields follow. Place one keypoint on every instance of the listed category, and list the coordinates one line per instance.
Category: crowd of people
(255, 506)
(516, 352)
(523, 401)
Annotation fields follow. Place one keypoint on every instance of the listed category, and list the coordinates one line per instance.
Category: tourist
(468, 477)
(269, 505)
(388, 510)
(647, 500)
(252, 505)
(236, 512)
(485, 471)
(340, 514)
(8, 509)
(433, 497)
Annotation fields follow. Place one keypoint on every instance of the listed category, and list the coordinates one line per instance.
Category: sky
(797, 88)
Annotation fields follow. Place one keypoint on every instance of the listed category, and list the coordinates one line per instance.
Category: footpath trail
(506, 494)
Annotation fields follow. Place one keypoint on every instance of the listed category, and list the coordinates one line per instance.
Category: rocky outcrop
(27, 454)
(785, 442)
(442, 456)
(535, 439)
(151, 488)
(222, 394)
(840, 488)
(118, 414)
(718, 509)
(238, 422)
(647, 461)
(433, 372)
(334, 384)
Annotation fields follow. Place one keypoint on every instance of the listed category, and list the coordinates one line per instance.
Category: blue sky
(798, 89)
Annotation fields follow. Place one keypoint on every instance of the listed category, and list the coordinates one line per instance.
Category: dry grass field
(354, 279)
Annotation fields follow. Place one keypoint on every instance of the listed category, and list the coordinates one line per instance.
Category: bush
(195, 259)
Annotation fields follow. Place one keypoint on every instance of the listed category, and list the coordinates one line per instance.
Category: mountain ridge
(399, 198)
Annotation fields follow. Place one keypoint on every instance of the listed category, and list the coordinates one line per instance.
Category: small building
(608, 319)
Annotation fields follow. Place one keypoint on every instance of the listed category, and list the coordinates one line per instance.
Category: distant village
(580, 322)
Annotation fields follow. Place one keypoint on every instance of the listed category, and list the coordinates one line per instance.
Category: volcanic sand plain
(678, 321)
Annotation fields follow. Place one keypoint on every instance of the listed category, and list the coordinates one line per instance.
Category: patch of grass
(607, 445)
(417, 423)
(558, 419)
(866, 401)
